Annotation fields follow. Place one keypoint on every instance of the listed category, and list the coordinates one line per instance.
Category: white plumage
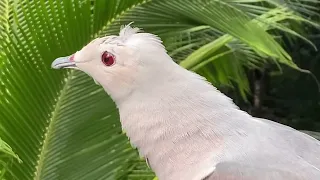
(186, 128)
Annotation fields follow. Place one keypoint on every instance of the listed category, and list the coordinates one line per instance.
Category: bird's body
(193, 127)
(186, 128)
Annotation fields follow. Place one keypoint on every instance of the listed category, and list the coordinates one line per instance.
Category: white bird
(184, 126)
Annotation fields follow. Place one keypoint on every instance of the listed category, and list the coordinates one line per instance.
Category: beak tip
(54, 65)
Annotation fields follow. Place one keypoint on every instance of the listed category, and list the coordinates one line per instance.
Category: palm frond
(43, 116)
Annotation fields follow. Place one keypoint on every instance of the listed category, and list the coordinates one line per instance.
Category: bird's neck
(173, 125)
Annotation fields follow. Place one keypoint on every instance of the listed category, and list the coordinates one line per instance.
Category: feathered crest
(127, 31)
(135, 38)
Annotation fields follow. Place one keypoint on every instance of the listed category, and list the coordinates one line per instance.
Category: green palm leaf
(60, 123)
(43, 118)
(7, 156)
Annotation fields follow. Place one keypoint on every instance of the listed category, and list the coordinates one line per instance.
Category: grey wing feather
(303, 162)
(304, 145)
(238, 171)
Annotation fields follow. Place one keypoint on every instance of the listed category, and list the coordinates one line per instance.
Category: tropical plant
(63, 126)
(6, 158)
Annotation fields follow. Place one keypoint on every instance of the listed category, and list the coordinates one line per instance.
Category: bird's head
(118, 63)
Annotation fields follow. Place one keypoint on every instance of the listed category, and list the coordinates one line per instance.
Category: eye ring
(108, 59)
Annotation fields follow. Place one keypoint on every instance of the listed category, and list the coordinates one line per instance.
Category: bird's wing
(302, 144)
(239, 171)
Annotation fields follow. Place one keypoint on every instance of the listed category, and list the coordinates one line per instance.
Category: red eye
(107, 59)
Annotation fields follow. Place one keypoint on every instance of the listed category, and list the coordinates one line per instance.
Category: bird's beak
(64, 62)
